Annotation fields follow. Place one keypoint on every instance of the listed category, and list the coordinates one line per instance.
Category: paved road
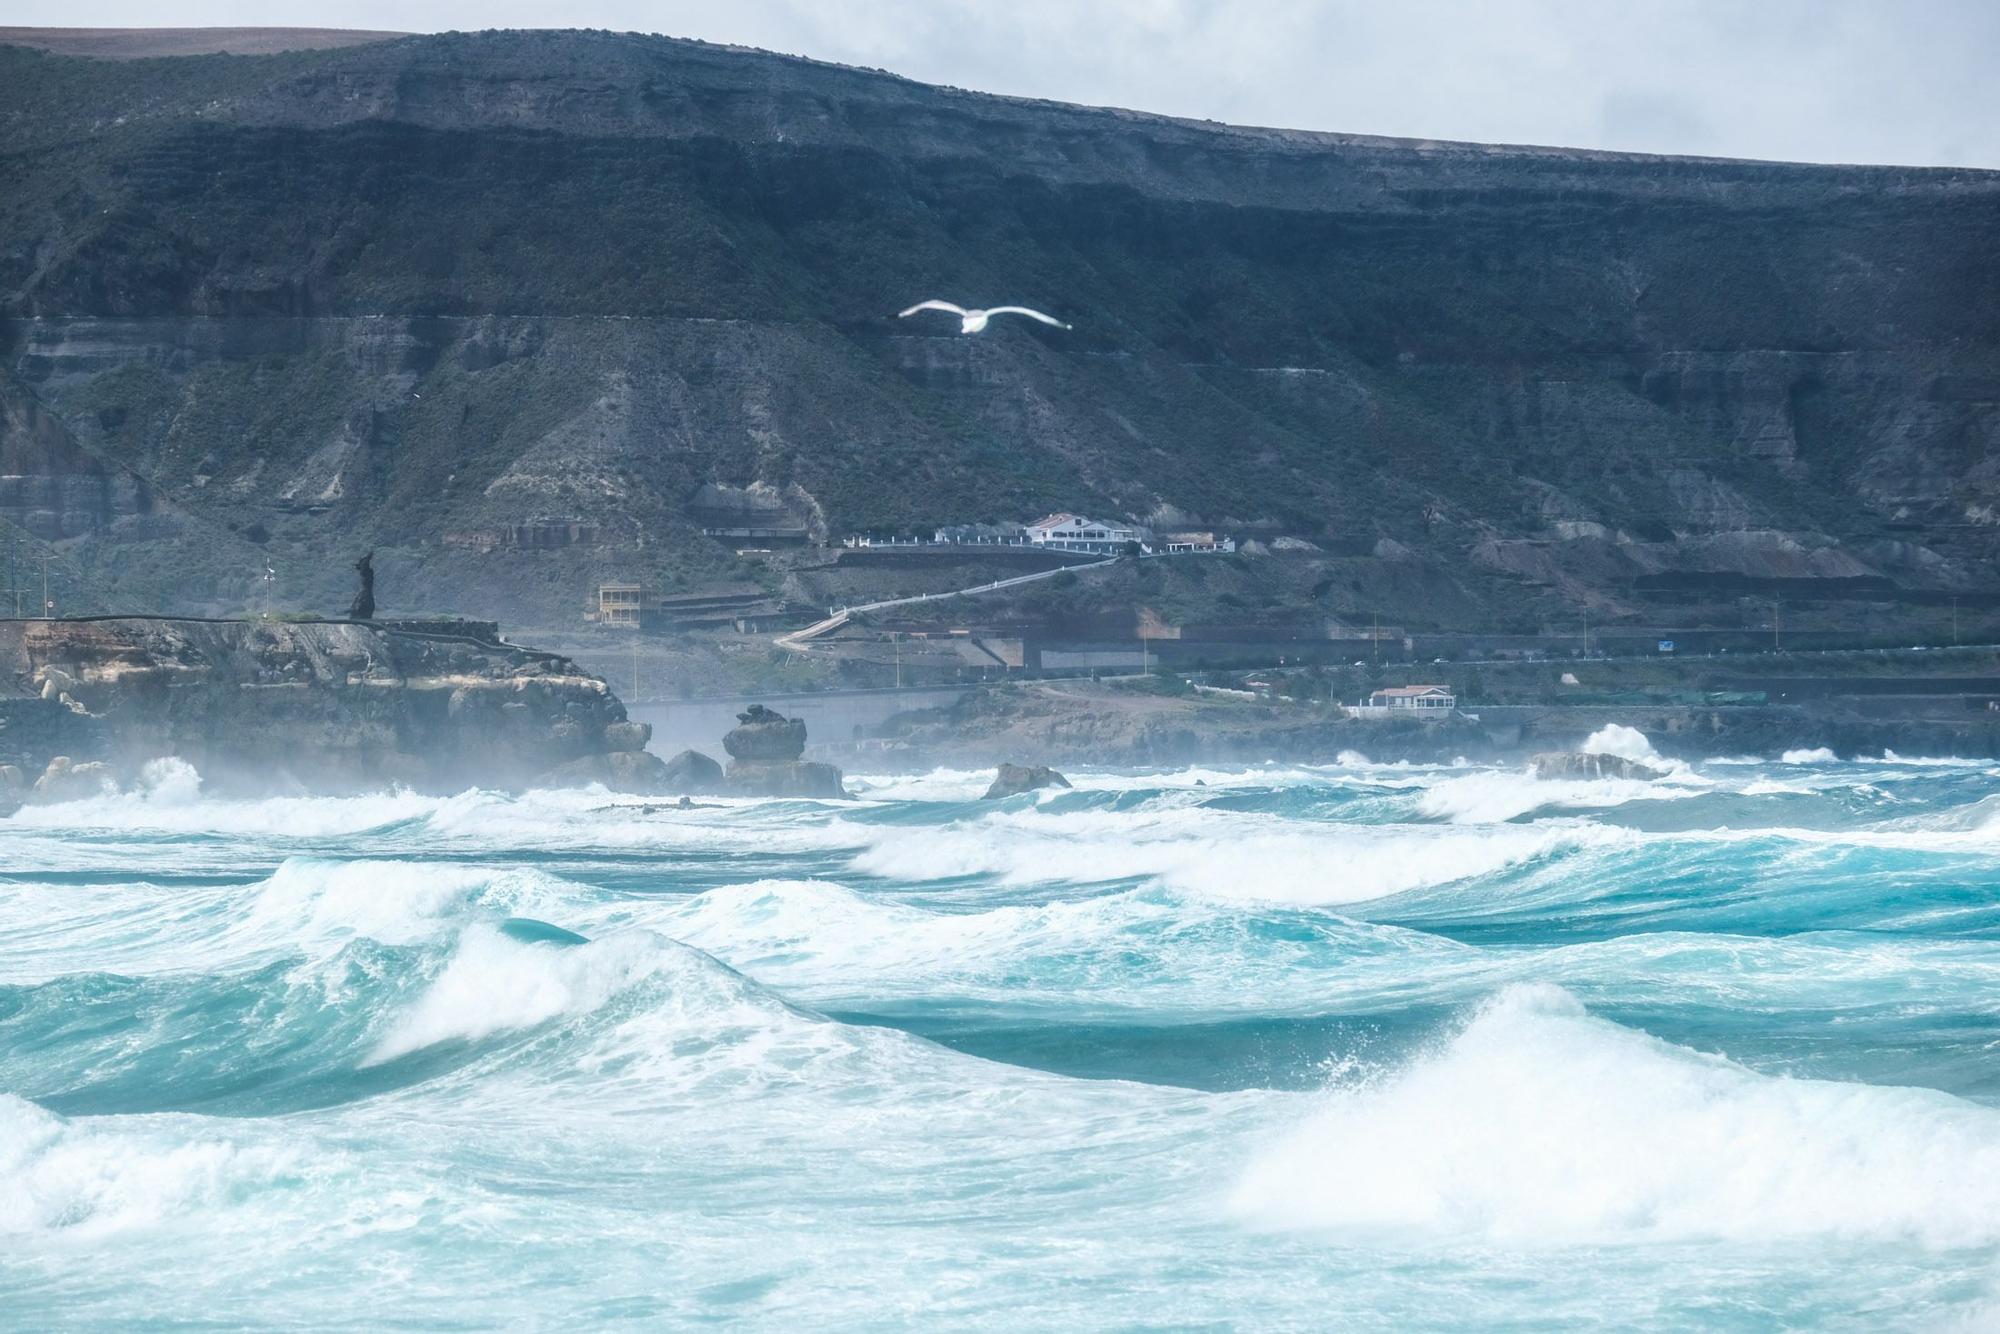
(796, 640)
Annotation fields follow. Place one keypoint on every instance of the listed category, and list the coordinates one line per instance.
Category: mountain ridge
(636, 267)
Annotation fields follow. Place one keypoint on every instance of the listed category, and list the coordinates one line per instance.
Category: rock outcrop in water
(1014, 779)
(765, 751)
(1587, 766)
(320, 706)
(67, 780)
(692, 772)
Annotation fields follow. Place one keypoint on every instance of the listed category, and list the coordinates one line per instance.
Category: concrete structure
(1179, 544)
(981, 535)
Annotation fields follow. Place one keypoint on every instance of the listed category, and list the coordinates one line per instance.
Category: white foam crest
(1212, 854)
(1251, 777)
(1540, 1124)
(1933, 761)
(571, 819)
(969, 784)
(183, 812)
(1138, 949)
(1771, 787)
(1809, 755)
(394, 902)
(495, 984)
(88, 1180)
(939, 784)
(1628, 743)
(824, 931)
(665, 1022)
(1493, 796)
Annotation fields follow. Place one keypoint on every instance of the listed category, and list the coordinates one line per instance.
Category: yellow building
(623, 605)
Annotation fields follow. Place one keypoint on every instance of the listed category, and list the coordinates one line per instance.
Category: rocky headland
(266, 705)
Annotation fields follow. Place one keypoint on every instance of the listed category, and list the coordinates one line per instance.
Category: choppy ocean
(1352, 1046)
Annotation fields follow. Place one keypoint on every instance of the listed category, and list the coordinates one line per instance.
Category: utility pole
(47, 606)
(13, 578)
(896, 638)
(1954, 620)
(1777, 609)
(1375, 640)
(635, 663)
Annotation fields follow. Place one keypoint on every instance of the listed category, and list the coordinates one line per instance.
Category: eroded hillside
(508, 306)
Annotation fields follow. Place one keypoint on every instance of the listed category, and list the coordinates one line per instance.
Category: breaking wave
(1538, 1123)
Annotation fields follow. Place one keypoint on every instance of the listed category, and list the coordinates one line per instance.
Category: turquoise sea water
(1352, 1046)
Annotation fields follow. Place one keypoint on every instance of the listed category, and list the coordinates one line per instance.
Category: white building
(1399, 698)
(1073, 532)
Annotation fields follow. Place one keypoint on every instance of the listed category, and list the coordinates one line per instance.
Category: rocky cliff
(516, 307)
(276, 706)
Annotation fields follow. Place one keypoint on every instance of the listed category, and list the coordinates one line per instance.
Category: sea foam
(1538, 1123)
(1208, 853)
(80, 1178)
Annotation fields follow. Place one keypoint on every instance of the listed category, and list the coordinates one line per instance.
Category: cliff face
(327, 706)
(435, 293)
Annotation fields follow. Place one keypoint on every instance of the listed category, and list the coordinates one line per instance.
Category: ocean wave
(86, 1180)
(1173, 958)
(1497, 796)
(171, 804)
(494, 983)
(1146, 949)
(309, 899)
(1199, 851)
(1538, 1123)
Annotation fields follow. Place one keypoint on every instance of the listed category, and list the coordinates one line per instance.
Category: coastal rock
(764, 759)
(1014, 779)
(765, 737)
(66, 780)
(630, 771)
(627, 735)
(792, 778)
(691, 771)
(321, 706)
(1578, 765)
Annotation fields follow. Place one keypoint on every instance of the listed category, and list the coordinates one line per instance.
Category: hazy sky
(1910, 81)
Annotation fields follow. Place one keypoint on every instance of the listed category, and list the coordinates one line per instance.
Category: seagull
(972, 321)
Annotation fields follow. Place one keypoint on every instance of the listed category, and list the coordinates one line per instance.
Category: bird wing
(1031, 314)
(933, 305)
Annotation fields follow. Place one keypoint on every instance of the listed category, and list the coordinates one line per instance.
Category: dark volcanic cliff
(462, 295)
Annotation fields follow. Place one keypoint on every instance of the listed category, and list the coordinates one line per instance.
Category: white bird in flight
(972, 321)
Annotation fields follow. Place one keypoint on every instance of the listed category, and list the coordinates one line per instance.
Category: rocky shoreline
(264, 706)
(319, 706)
(1092, 723)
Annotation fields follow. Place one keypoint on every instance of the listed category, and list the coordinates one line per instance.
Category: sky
(1887, 81)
